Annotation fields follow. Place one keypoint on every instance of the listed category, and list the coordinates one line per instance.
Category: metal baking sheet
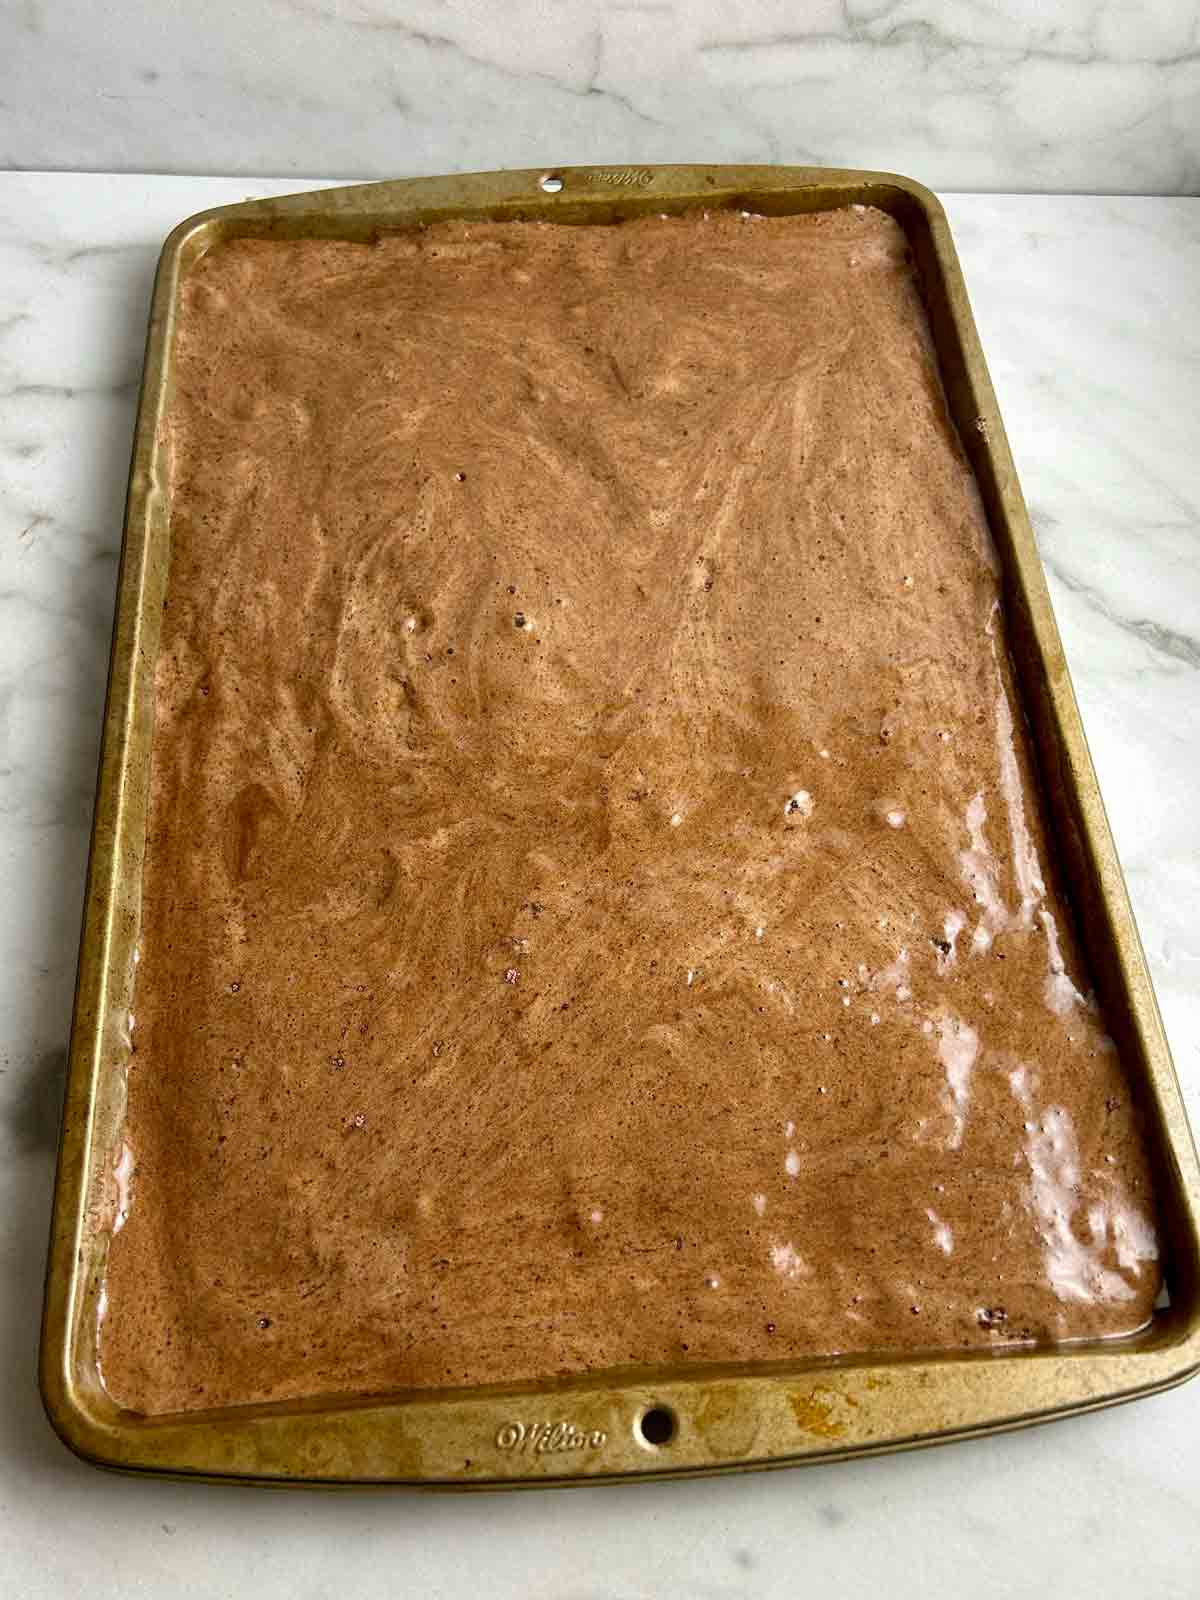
(590, 1428)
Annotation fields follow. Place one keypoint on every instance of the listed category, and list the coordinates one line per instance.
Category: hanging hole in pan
(656, 1427)
(551, 182)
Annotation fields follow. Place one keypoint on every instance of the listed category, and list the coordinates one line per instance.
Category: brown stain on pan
(727, 1425)
(823, 1411)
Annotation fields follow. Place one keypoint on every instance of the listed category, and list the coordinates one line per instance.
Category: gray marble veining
(1100, 95)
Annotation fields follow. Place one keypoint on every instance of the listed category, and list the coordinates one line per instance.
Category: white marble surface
(1090, 312)
(1097, 95)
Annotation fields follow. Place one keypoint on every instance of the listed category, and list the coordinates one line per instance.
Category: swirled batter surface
(597, 907)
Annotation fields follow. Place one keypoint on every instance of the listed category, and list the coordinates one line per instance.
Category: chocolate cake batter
(597, 908)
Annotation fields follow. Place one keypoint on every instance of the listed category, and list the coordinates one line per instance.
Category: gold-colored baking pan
(639, 1423)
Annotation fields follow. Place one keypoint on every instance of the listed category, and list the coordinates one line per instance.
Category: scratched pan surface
(591, 1429)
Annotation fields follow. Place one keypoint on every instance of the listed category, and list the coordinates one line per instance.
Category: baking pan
(637, 1423)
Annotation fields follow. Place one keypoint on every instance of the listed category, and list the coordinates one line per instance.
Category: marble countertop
(1089, 310)
(1096, 95)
